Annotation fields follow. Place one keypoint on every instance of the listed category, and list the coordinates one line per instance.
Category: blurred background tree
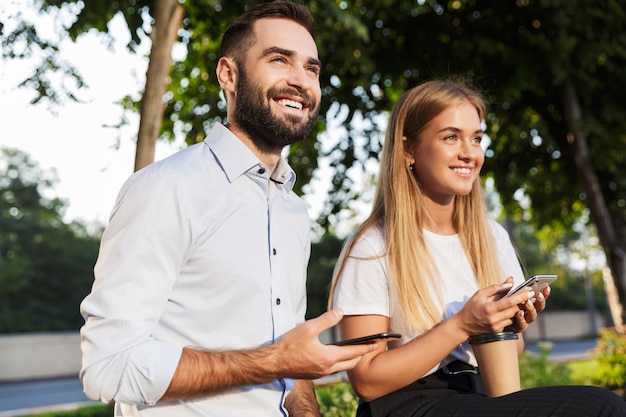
(552, 68)
(45, 264)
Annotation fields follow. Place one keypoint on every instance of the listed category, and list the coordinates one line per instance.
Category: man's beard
(268, 131)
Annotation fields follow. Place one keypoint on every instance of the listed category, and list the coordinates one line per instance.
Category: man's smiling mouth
(291, 103)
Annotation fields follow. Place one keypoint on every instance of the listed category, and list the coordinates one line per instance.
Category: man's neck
(269, 158)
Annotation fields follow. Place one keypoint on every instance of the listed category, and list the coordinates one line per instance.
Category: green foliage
(611, 360)
(324, 255)
(336, 400)
(571, 292)
(525, 55)
(536, 370)
(91, 411)
(541, 252)
(582, 371)
(19, 39)
(45, 264)
(521, 53)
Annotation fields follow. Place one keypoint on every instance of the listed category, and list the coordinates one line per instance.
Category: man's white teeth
(291, 103)
(462, 170)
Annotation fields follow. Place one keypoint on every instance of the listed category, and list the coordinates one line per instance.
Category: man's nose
(300, 78)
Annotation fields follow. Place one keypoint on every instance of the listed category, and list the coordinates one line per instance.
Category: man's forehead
(284, 34)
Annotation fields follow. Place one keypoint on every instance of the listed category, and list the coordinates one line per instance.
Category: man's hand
(305, 357)
(298, 355)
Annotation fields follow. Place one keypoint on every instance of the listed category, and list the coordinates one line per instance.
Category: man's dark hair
(238, 37)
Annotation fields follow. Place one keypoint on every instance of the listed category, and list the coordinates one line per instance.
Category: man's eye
(314, 70)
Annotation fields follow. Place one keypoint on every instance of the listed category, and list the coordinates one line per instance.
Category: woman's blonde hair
(398, 207)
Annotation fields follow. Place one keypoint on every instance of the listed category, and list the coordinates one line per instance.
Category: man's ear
(227, 74)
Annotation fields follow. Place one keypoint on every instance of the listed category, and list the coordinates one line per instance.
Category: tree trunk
(614, 304)
(168, 18)
(600, 213)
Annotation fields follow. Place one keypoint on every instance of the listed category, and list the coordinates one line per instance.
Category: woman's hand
(488, 311)
(529, 311)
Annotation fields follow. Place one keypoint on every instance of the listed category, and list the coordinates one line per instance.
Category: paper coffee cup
(498, 364)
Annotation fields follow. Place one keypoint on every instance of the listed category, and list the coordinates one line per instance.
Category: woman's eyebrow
(457, 130)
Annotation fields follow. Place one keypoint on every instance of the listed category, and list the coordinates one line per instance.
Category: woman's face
(448, 157)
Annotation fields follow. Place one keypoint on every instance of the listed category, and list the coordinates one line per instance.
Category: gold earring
(411, 166)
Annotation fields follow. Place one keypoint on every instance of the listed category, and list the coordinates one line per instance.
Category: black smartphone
(368, 339)
(535, 283)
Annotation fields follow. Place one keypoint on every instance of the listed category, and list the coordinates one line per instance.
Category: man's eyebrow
(289, 53)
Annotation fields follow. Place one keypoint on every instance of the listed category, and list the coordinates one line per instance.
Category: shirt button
(261, 171)
(274, 251)
(278, 301)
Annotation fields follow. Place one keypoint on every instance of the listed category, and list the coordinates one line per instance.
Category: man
(198, 303)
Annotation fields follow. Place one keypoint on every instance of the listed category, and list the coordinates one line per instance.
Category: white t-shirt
(363, 287)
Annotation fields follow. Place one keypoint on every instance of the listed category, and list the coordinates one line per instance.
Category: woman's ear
(408, 155)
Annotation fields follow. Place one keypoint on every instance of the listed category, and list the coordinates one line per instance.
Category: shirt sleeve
(141, 252)
(363, 286)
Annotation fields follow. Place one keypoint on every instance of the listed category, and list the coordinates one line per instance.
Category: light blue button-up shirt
(202, 250)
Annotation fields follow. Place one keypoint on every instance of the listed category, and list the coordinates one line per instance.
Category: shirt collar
(236, 159)
(283, 174)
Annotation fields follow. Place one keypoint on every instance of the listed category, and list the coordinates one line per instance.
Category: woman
(429, 265)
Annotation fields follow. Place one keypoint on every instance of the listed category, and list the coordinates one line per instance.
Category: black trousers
(445, 395)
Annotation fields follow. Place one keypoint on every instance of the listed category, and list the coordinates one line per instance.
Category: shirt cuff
(149, 373)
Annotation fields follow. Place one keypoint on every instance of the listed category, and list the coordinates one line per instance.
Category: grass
(89, 411)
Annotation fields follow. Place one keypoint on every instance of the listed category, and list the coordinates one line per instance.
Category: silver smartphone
(535, 283)
(368, 339)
